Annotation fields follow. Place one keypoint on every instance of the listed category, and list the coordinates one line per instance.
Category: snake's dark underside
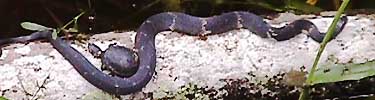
(191, 25)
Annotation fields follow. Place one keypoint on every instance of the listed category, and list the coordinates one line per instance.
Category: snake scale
(172, 21)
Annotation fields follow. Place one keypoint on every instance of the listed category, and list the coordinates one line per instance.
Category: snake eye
(94, 50)
(120, 61)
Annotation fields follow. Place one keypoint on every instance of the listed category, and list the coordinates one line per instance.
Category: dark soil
(276, 89)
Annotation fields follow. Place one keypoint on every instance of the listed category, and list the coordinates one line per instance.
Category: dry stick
(41, 86)
(22, 86)
(327, 37)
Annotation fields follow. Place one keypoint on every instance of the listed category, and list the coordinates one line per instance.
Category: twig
(40, 87)
(23, 87)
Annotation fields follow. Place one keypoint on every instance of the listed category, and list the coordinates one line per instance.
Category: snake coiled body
(187, 24)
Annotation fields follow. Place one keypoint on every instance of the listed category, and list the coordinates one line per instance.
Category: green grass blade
(326, 39)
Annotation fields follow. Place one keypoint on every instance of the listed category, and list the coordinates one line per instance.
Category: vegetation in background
(36, 27)
(112, 15)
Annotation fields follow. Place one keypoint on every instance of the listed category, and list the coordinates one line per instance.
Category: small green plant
(328, 36)
(36, 27)
(3, 98)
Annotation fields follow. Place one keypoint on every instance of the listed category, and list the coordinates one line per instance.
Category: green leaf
(341, 72)
(72, 30)
(54, 34)
(3, 98)
(75, 27)
(34, 26)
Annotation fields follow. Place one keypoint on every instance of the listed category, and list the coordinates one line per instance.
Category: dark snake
(179, 22)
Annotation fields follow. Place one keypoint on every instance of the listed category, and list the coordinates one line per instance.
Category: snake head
(94, 50)
(120, 61)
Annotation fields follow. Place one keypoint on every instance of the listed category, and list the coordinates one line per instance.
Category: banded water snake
(187, 24)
